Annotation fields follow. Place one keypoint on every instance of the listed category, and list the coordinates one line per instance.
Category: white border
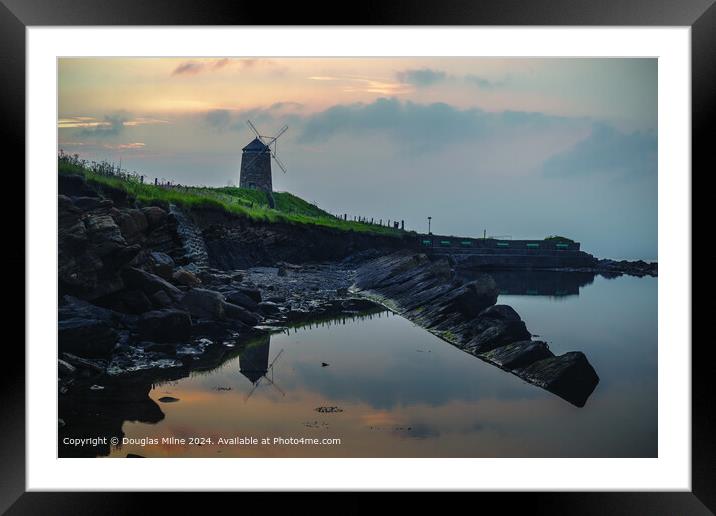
(670, 471)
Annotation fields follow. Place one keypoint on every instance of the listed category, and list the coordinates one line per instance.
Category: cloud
(608, 150)
(417, 126)
(421, 78)
(484, 83)
(197, 66)
(235, 120)
(360, 84)
(112, 125)
(107, 146)
(424, 77)
(219, 119)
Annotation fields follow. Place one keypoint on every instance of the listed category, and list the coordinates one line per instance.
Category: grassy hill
(253, 204)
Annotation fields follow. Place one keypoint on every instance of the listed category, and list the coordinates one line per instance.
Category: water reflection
(538, 282)
(402, 392)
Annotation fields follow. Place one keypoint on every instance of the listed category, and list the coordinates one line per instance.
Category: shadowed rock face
(465, 314)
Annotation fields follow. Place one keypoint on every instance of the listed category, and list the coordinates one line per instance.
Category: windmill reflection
(254, 364)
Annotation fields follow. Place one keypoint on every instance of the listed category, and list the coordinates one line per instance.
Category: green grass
(244, 202)
(560, 239)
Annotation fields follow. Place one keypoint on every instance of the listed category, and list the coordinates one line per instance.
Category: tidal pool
(387, 388)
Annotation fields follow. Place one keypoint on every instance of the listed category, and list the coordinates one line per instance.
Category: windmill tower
(256, 160)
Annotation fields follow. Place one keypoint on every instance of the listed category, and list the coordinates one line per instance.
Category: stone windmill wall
(256, 167)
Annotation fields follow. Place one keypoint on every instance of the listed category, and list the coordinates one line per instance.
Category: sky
(520, 148)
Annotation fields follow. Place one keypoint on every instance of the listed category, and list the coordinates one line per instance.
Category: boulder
(155, 216)
(518, 354)
(500, 312)
(269, 308)
(149, 283)
(104, 234)
(161, 264)
(86, 337)
(239, 298)
(168, 325)
(161, 299)
(239, 313)
(87, 203)
(203, 303)
(474, 297)
(569, 376)
(489, 334)
(252, 293)
(132, 223)
(128, 301)
(87, 330)
(186, 278)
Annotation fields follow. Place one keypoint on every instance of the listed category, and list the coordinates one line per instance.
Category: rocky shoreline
(465, 314)
(149, 293)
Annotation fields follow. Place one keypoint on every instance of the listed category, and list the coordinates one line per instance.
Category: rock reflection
(537, 283)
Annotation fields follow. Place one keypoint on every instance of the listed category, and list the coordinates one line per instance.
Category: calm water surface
(405, 393)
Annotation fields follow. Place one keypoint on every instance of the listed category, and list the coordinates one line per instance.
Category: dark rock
(186, 278)
(161, 264)
(239, 298)
(75, 185)
(490, 334)
(232, 311)
(94, 366)
(474, 297)
(357, 304)
(269, 308)
(429, 293)
(149, 283)
(85, 329)
(168, 399)
(518, 354)
(501, 312)
(128, 301)
(155, 216)
(135, 456)
(569, 376)
(86, 337)
(168, 325)
(132, 224)
(204, 303)
(281, 271)
(161, 299)
(87, 203)
(104, 234)
(252, 293)
(324, 364)
(65, 369)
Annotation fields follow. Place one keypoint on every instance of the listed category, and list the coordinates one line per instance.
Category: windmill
(256, 160)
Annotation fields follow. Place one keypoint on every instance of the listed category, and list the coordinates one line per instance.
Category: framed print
(428, 251)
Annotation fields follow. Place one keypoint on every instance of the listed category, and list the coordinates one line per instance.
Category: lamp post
(429, 219)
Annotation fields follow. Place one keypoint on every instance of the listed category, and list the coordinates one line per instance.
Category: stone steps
(191, 237)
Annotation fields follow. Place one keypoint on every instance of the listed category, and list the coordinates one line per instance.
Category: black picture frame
(16, 15)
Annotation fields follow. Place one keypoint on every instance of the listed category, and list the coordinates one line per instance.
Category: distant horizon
(520, 147)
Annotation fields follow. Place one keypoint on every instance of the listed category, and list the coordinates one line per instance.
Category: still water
(395, 390)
